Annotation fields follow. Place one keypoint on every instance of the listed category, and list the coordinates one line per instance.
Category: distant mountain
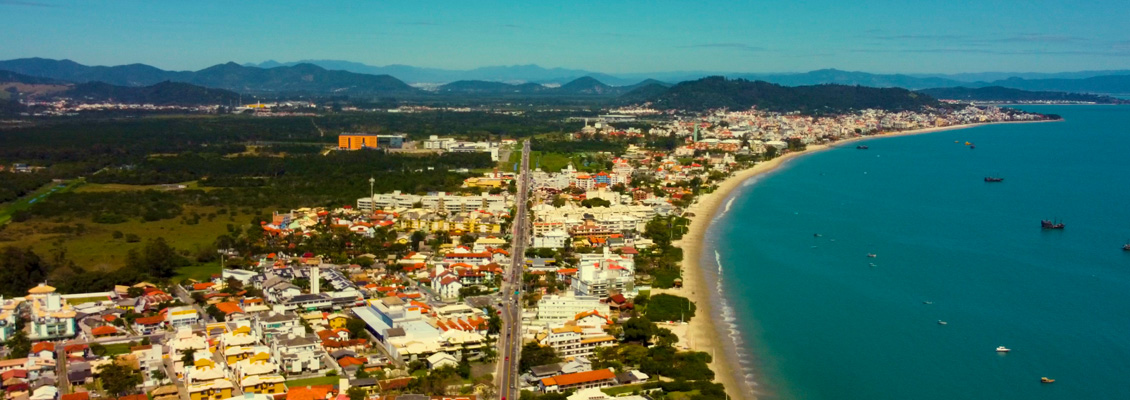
(508, 74)
(996, 76)
(644, 93)
(490, 88)
(300, 78)
(585, 86)
(67, 70)
(12, 77)
(163, 93)
(1110, 84)
(719, 92)
(1002, 94)
(825, 76)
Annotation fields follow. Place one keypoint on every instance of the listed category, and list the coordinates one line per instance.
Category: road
(510, 341)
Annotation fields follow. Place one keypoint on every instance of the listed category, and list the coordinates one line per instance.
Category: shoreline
(704, 332)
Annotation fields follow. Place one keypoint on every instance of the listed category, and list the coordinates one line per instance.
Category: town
(408, 295)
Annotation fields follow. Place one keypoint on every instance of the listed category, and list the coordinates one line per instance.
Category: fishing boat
(1002, 349)
(967, 143)
(993, 179)
(1046, 380)
(871, 255)
(1126, 247)
(861, 147)
(1046, 224)
(940, 322)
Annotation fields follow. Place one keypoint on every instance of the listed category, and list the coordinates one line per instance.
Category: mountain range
(720, 92)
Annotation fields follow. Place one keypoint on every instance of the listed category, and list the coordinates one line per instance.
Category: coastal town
(402, 295)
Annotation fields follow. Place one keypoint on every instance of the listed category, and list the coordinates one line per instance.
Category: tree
(215, 313)
(356, 327)
(135, 292)
(119, 379)
(98, 349)
(464, 368)
(158, 375)
(18, 345)
(559, 201)
(666, 307)
(188, 357)
(534, 354)
(639, 329)
(356, 393)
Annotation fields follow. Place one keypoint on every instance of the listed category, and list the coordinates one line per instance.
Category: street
(510, 340)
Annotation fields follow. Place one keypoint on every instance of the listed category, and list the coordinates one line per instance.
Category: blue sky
(606, 36)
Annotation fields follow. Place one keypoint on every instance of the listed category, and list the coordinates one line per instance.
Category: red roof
(75, 347)
(139, 396)
(154, 320)
(104, 330)
(41, 346)
(348, 360)
(579, 377)
(229, 308)
(202, 286)
(318, 392)
(109, 317)
(15, 373)
(76, 396)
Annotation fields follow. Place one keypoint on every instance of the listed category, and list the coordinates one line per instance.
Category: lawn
(321, 380)
(118, 348)
(549, 162)
(618, 390)
(7, 209)
(95, 248)
(82, 300)
(202, 272)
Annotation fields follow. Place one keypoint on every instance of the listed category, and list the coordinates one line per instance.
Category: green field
(618, 390)
(549, 162)
(82, 300)
(96, 248)
(117, 187)
(118, 348)
(7, 209)
(321, 380)
(202, 272)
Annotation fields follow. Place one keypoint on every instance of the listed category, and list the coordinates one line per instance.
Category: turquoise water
(822, 323)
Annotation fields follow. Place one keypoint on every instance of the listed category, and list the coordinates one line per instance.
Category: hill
(296, 79)
(719, 92)
(1108, 84)
(163, 93)
(1003, 94)
(585, 86)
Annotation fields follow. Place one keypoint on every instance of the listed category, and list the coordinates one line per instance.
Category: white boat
(940, 322)
(1002, 349)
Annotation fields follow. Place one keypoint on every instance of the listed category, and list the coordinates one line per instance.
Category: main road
(510, 340)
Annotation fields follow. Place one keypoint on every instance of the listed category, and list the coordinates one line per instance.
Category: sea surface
(814, 317)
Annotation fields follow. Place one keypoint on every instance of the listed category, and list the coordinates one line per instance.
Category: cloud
(25, 3)
(735, 46)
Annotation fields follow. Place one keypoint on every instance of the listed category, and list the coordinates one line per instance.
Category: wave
(730, 321)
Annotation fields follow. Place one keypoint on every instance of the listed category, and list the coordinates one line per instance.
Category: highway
(510, 340)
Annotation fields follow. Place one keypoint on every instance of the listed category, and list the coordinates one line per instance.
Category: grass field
(82, 300)
(96, 248)
(117, 348)
(322, 380)
(118, 187)
(549, 162)
(7, 209)
(202, 272)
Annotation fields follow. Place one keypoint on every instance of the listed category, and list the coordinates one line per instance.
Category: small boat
(1046, 224)
(861, 147)
(871, 255)
(927, 302)
(1046, 380)
(972, 147)
(967, 143)
(993, 179)
(871, 264)
(940, 322)
(1002, 349)
(1126, 247)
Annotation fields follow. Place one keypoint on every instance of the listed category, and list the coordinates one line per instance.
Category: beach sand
(705, 331)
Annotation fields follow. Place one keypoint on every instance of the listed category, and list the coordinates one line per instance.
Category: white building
(556, 309)
(436, 201)
(554, 239)
(51, 317)
(603, 273)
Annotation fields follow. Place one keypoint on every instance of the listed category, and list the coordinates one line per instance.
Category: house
(337, 321)
(148, 360)
(600, 378)
(205, 381)
(297, 354)
(447, 287)
(148, 325)
(177, 317)
(279, 324)
(440, 360)
(316, 392)
(104, 331)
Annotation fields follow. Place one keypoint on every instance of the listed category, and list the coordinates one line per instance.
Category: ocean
(816, 318)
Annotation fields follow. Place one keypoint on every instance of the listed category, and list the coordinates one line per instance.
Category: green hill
(719, 92)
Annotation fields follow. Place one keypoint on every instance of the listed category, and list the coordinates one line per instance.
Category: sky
(881, 36)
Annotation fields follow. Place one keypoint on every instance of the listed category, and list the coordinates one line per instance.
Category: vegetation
(119, 379)
(719, 92)
(534, 355)
(667, 307)
(1002, 94)
(163, 93)
(321, 380)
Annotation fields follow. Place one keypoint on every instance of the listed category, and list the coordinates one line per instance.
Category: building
(357, 141)
(603, 273)
(8, 316)
(555, 309)
(177, 317)
(569, 341)
(436, 201)
(51, 317)
(600, 378)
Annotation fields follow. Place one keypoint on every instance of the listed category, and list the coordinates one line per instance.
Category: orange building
(356, 142)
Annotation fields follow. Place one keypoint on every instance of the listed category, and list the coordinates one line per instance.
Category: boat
(1046, 224)
(967, 143)
(1046, 380)
(927, 302)
(940, 322)
(972, 147)
(871, 255)
(993, 179)
(1002, 349)
(862, 147)
(1126, 247)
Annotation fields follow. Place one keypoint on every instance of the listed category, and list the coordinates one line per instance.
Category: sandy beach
(703, 331)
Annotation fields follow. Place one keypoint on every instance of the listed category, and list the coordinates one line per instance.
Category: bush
(666, 307)
(118, 234)
(132, 238)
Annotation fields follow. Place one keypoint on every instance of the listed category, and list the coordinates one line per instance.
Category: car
(507, 358)
(499, 312)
